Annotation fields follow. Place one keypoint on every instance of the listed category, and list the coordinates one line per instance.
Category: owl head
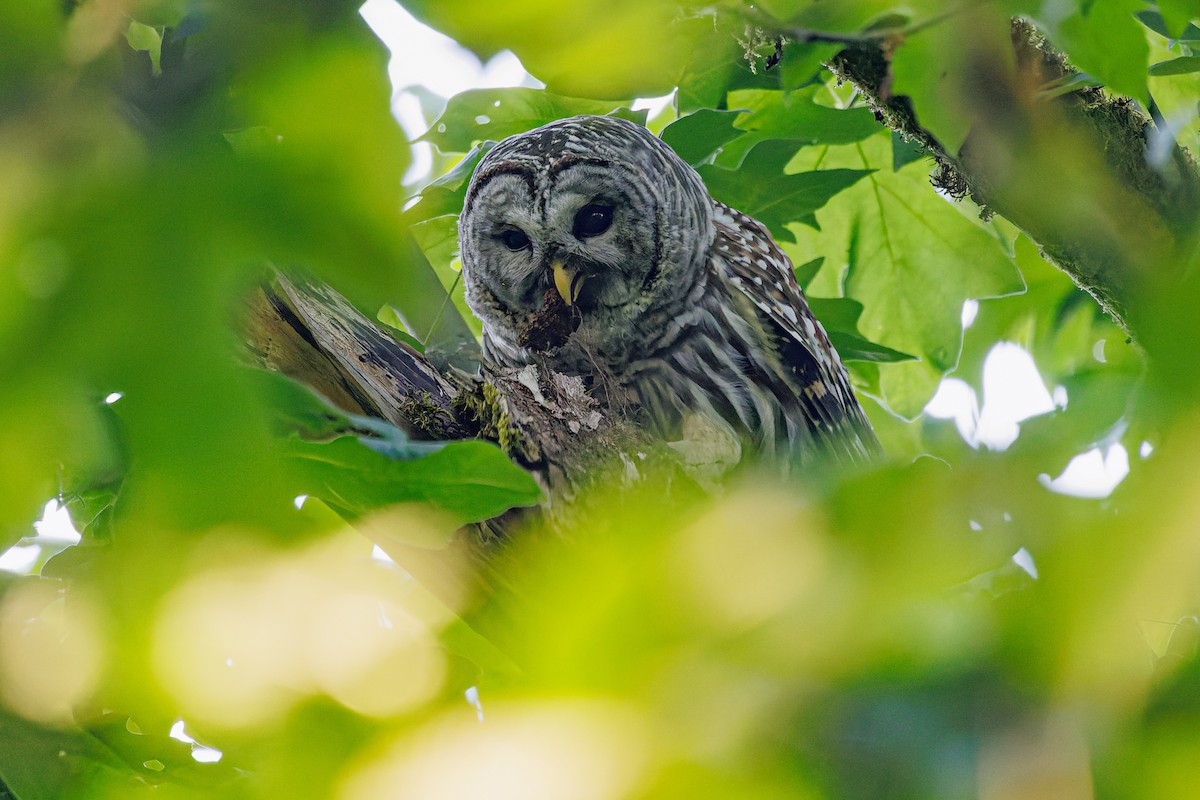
(598, 211)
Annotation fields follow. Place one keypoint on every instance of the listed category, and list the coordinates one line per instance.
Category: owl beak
(568, 283)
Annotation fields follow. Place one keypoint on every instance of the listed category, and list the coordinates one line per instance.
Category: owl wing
(751, 261)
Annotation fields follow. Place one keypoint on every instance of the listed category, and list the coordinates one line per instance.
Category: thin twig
(442, 308)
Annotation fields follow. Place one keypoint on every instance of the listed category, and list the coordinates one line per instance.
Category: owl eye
(514, 239)
(592, 220)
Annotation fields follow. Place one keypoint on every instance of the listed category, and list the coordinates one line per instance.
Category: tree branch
(545, 421)
(307, 331)
(1030, 156)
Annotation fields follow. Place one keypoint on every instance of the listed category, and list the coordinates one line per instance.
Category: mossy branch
(545, 421)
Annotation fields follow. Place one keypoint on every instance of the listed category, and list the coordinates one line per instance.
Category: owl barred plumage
(682, 308)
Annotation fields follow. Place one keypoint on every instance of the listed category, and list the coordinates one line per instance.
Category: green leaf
(431, 315)
(445, 195)
(905, 151)
(438, 239)
(146, 39)
(793, 116)
(622, 48)
(934, 67)
(470, 480)
(478, 115)
(388, 316)
(802, 62)
(797, 115)
(911, 258)
(1176, 66)
(435, 201)
(157, 758)
(295, 407)
(728, 59)
(807, 270)
(39, 763)
(255, 140)
(696, 137)
(921, 73)
(1071, 82)
(1098, 400)
(1177, 16)
(837, 313)
(386, 439)
(460, 174)
(843, 17)
(91, 511)
(1109, 44)
(1031, 319)
(839, 316)
(1060, 326)
(761, 189)
(462, 640)
(72, 562)
(707, 78)
(1155, 22)
(856, 348)
(333, 142)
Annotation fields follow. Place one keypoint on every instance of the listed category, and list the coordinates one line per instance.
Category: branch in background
(1030, 156)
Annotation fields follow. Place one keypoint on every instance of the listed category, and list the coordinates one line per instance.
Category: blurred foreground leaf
(933, 627)
(148, 40)
(1107, 42)
(478, 115)
(42, 763)
(622, 48)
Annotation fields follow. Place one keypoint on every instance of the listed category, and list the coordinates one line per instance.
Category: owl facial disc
(598, 214)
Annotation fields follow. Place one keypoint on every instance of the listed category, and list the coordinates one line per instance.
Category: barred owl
(588, 246)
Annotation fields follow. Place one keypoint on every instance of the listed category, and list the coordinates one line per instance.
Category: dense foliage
(867, 634)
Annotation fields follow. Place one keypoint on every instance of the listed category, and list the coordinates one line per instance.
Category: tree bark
(310, 333)
(545, 421)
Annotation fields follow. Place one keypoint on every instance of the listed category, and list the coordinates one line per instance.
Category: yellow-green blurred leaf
(479, 115)
(621, 48)
(144, 38)
(1110, 44)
